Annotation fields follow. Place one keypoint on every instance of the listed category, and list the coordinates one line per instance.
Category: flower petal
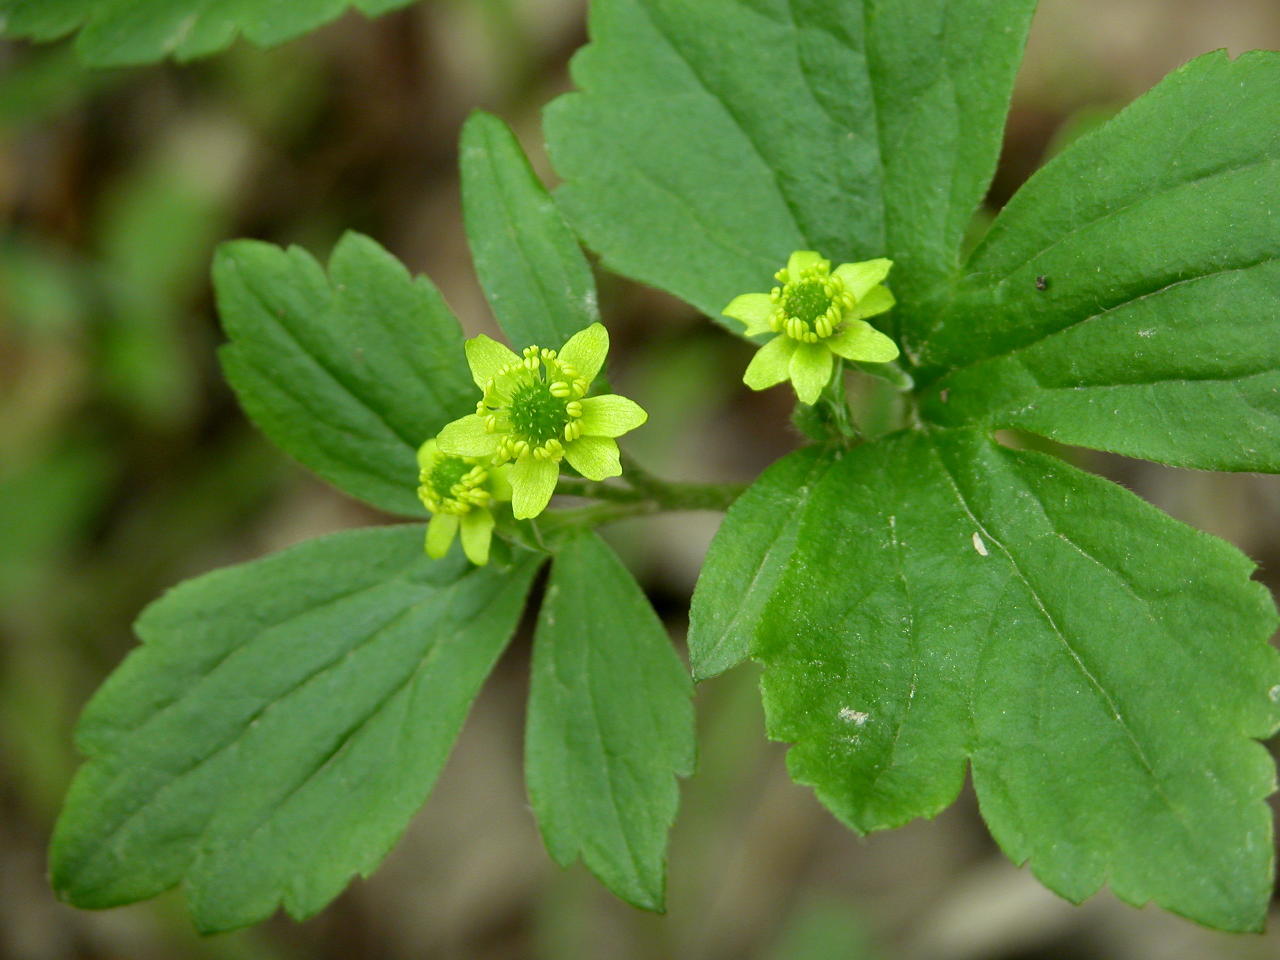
(486, 357)
(753, 309)
(878, 300)
(802, 260)
(585, 351)
(596, 458)
(771, 364)
(861, 341)
(532, 483)
(477, 531)
(811, 370)
(467, 437)
(610, 416)
(426, 454)
(440, 531)
(500, 482)
(859, 278)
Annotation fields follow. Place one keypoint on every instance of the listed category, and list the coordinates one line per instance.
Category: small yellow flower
(535, 412)
(459, 492)
(818, 314)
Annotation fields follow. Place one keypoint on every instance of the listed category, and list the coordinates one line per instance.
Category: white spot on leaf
(978, 544)
(856, 717)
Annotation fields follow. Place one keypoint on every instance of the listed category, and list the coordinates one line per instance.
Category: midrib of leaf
(350, 733)
(1112, 308)
(1090, 677)
(913, 639)
(1143, 198)
(551, 303)
(162, 707)
(333, 374)
(610, 767)
(737, 121)
(435, 596)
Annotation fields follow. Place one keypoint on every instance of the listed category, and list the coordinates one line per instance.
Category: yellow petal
(532, 483)
(859, 278)
(477, 532)
(596, 458)
(771, 364)
(486, 357)
(610, 416)
(440, 531)
(811, 370)
(467, 437)
(861, 341)
(585, 351)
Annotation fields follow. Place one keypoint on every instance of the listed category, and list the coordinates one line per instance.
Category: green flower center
(810, 306)
(806, 300)
(453, 485)
(536, 415)
(535, 404)
(447, 473)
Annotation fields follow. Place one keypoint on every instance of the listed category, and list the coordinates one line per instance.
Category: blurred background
(125, 466)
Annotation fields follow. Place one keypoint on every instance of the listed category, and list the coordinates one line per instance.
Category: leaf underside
(116, 33)
(348, 373)
(279, 726)
(934, 598)
(610, 724)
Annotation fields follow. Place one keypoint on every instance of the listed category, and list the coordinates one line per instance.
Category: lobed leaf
(1100, 665)
(349, 373)
(610, 724)
(280, 724)
(710, 140)
(534, 274)
(1156, 240)
(116, 33)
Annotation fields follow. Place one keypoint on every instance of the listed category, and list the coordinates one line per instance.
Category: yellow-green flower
(459, 492)
(535, 412)
(819, 314)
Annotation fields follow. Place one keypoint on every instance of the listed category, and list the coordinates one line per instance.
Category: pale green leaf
(349, 373)
(610, 724)
(280, 724)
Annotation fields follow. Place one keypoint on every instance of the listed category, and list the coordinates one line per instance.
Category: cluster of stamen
(809, 307)
(454, 485)
(535, 403)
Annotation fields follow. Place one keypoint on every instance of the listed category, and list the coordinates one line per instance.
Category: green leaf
(610, 724)
(534, 275)
(120, 32)
(750, 551)
(710, 140)
(349, 373)
(1157, 243)
(279, 726)
(1099, 664)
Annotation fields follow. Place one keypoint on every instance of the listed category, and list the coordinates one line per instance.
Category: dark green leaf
(610, 724)
(348, 373)
(712, 139)
(530, 265)
(279, 726)
(119, 32)
(1100, 665)
(1129, 297)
